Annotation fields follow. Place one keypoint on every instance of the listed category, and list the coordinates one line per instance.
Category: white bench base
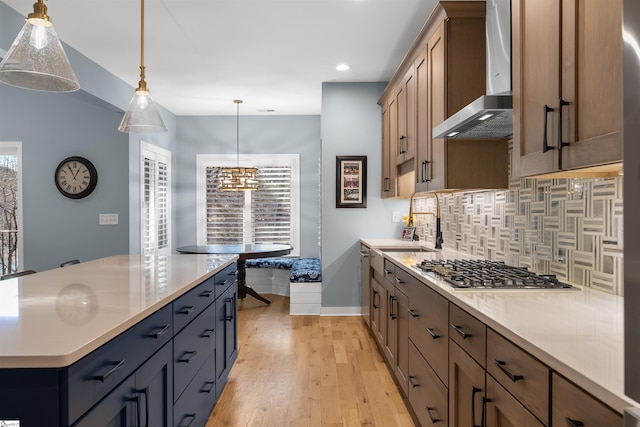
(306, 298)
(268, 280)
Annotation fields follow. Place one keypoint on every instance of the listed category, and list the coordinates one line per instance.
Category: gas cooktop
(495, 275)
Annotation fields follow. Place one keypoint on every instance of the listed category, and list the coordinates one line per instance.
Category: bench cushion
(278, 263)
(306, 270)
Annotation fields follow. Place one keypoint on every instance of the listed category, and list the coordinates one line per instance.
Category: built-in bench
(299, 278)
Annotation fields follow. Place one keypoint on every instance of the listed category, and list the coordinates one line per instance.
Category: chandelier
(237, 178)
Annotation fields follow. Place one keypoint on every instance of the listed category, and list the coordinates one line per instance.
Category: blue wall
(351, 126)
(258, 135)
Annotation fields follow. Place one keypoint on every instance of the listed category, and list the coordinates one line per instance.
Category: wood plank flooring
(306, 371)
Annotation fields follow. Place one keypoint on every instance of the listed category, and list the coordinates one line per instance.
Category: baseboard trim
(341, 311)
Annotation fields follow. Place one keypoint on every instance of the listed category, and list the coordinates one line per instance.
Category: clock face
(76, 177)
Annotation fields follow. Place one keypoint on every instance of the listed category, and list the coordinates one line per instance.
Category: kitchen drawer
(504, 410)
(188, 306)
(427, 394)
(95, 375)
(403, 281)
(225, 278)
(429, 327)
(194, 406)
(570, 404)
(469, 333)
(389, 271)
(377, 261)
(526, 378)
(191, 347)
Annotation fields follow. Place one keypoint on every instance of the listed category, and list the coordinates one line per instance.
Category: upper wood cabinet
(567, 84)
(442, 72)
(389, 171)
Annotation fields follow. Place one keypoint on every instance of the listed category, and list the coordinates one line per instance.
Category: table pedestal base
(243, 289)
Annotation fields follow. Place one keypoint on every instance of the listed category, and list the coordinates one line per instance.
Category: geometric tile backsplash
(568, 227)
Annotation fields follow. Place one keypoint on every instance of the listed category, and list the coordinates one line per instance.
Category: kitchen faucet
(439, 239)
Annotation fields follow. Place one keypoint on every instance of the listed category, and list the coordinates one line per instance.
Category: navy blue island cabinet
(166, 370)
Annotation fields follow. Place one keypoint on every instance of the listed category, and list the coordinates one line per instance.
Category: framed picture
(408, 232)
(351, 181)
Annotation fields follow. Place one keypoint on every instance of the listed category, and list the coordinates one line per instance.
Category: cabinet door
(377, 309)
(402, 353)
(226, 335)
(121, 408)
(466, 389)
(503, 410)
(436, 113)
(401, 123)
(423, 131)
(388, 160)
(536, 84)
(406, 100)
(427, 395)
(591, 82)
(154, 380)
(391, 325)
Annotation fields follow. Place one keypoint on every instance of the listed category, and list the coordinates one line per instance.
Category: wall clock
(76, 177)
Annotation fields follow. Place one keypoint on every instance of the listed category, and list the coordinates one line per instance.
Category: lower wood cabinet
(402, 354)
(502, 409)
(428, 396)
(466, 388)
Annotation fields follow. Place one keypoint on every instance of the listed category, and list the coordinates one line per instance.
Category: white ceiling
(200, 55)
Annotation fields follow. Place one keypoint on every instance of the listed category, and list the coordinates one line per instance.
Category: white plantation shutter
(268, 215)
(271, 205)
(155, 211)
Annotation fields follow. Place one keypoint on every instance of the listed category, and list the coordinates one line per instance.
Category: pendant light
(36, 59)
(142, 114)
(238, 178)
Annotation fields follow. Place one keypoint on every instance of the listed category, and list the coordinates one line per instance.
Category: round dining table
(244, 252)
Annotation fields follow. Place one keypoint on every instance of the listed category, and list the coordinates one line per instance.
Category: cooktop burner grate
(484, 274)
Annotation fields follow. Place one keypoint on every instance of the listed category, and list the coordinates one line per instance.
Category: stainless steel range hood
(489, 116)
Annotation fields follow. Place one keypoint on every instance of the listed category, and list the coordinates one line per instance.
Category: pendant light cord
(142, 85)
(238, 102)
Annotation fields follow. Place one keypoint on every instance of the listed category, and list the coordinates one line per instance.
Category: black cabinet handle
(412, 381)
(399, 281)
(485, 400)
(545, 145)
(207, 333)
(186, 310)
(145, 393)
(387, 272)
(136, 400)
(501, 364)
(561, 143)
(574, 423)
(402, 150)
(206, 294)
(462, 333)
(228, 314)
(192, 418)
(386, 184)
(223, 283)
(162, 331)
(392, 315)
(188, 356)
(474, 391)
(375, 294)
(431, 417)
(433, 334)
(207, 387)
(412, 313)
(116, 366)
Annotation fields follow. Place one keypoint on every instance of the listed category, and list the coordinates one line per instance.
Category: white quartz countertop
(578, 333)
(54, 318)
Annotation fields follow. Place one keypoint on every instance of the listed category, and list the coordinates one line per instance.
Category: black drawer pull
(162, 331)
(208, 389)
(387, 271)
(412, 313)
(206, 294)
(431, 417)
(116, 366)
(574, 423)
(412, 381)
(462, 333)
(399, 281)
(187, 416)
(223, 283)
(501, 364)
(433, 334)
(186, 310)
(392, 313)
(187, 356)
(207, 333)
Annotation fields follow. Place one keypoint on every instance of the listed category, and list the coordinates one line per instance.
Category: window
(155, 213)
(268, 215)
(10, 207)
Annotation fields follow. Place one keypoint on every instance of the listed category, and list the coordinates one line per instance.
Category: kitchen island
(576, 335)
(123, 340)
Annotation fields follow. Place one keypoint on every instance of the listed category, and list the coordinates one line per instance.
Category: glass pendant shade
(237, 179)
(142, 116)
(36, 59)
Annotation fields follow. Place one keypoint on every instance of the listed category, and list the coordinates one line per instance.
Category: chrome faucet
(439, 239)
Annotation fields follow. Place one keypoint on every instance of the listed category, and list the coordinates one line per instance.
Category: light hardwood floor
(306, 371)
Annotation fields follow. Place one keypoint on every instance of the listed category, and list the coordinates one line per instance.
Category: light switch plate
(108, 219)
(395, 216)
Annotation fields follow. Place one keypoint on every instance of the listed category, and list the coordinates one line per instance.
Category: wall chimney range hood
(491, 115)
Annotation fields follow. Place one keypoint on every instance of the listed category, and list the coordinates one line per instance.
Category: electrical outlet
(108, 219)
(395, 216)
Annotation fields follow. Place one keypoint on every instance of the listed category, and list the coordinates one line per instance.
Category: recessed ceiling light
(343, 67)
